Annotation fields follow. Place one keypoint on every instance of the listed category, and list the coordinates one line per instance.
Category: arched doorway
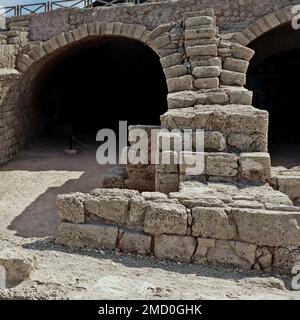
(273, 76)
(93, 84)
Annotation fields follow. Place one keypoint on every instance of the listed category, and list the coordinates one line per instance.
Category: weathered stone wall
(232, 15)
(216, 223)
(31, 39)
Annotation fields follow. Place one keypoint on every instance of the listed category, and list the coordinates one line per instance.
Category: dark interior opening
(97, 83)
(273, 76)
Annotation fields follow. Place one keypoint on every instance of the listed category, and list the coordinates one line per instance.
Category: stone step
(287, 181)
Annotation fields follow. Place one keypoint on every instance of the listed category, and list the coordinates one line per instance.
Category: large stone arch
(33, 53)
(263, 25)
(271, 76)
(37, 56)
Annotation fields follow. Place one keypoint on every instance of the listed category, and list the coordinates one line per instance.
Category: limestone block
(87, 235)
(202, 32)
(221, 164)
(70, 207)
(161, 41)
(255, 166)
(180, 83)
(134, 242)
(165, 218)
(111, 208)
(182, 99)
(232, 78)
(268, 228)
(202, 249)
(241, 52)
(203, 201)
(61, 40)
(178, 248)
(166, 182)
(171, 60)
(223, 253)
(211, 223)
(117, 28)
(168, 162)
(289, 185)
(207, 83)
(239, 95)
(206, 72)
(178, 119)
(136, 211)
(170, 140)
(191, 163)
(198, 21)
(249, 120)
(215, 61)
(212, 98)
(214, 141)
(155, 196)
(236, 65)
(204, 50)
(285, 259)
(114, 178)
(175, 71)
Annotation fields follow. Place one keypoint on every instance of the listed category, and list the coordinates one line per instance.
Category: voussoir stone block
(172, 247)
(175, 71)
(165, 218)
(171, 60)
(236, 65)
(241, 52)
(232, 78)
(255, 166)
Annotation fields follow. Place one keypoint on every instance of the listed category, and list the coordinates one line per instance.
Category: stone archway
(109, 64)
(272, 76)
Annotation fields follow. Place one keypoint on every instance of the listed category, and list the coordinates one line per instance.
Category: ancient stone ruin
(237, 212)
(226, 215)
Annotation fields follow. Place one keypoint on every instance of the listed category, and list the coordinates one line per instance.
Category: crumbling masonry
(229, 214)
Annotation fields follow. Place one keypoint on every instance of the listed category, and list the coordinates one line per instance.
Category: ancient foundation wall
(216, 223)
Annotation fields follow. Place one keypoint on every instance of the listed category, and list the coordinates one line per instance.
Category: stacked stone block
(227, 224)
(205, 78)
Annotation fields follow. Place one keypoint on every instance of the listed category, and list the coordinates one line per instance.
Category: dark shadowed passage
(273, 76)
(97, 82)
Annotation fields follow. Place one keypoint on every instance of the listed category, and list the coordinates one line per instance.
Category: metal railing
(24, 9)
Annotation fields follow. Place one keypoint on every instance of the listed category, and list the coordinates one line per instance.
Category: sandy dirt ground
(28, 222)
